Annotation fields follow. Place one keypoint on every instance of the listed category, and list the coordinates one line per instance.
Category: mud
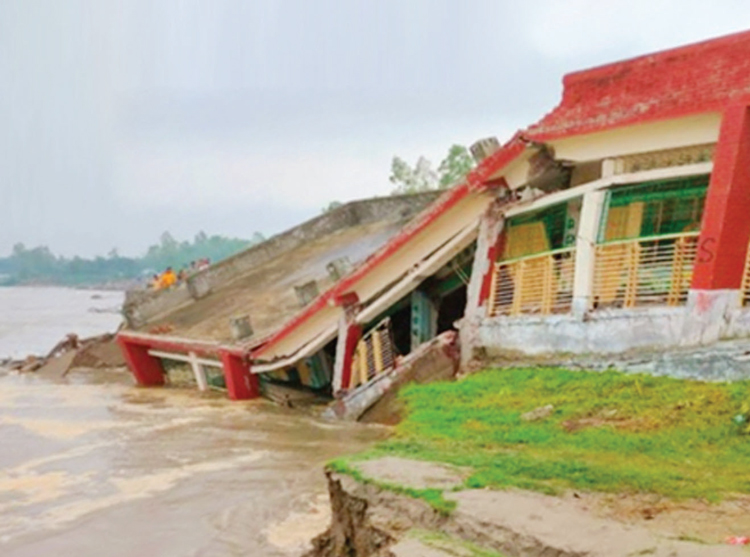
(370, 521)
(93, 466)
(351, 532)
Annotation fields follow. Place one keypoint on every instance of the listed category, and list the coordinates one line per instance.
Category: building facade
(619, 221)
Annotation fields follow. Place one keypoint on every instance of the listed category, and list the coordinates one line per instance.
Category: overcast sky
(122, 119)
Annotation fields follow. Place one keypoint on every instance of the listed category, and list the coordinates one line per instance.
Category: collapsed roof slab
(260, 282)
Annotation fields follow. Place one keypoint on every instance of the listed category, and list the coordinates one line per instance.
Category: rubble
(71, 352)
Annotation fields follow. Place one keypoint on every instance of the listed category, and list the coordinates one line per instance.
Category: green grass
(609, 432)
(451, 545)
(433, 497)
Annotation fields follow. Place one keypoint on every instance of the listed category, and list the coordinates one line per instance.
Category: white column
(199, 372)
(588, 229)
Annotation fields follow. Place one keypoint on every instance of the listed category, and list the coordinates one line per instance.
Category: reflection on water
(95, 466)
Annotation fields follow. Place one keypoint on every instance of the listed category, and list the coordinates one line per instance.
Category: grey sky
(122, 119)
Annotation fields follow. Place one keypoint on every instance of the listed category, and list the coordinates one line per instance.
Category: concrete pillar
(588, 229)
(490, 241)
(725, 232)
(346, 345)
(147, 370)
(199, 372)
(241, 384)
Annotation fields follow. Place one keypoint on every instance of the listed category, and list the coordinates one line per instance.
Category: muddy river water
(94, 466)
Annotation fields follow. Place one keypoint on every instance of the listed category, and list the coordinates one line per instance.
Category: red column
(353, 334)
(241, 384)
(725, 230)
(147, 370)
(493, 254)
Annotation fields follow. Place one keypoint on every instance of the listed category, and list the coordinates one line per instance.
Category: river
(92, 465)
(33, 320)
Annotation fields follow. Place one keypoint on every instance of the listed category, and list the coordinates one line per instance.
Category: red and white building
(620, 220)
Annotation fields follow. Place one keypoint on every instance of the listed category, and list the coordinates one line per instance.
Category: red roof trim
(688, 80)
(475, 181)
(692, 79)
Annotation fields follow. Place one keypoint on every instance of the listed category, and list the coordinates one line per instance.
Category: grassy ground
(608, 432)
(450, 545)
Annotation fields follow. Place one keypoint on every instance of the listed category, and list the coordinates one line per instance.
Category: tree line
(39, 265)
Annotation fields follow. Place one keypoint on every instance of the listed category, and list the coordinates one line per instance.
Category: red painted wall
(147, 370)
(725, 231)
(241, 384)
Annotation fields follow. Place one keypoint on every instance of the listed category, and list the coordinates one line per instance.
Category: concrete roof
(266, 292)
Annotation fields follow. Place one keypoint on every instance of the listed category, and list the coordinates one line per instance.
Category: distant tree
(331, 206)
(412, 180)
(453, 168)
(40, 265)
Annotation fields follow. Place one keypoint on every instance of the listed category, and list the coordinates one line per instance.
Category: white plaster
(602, 332)
(608, 181)
(338, 364)
(608, 168)
(739, 323)
(183, 358)
(490, 228)
(583, 282)
(709, 315)
(629, 140)
(199, 372)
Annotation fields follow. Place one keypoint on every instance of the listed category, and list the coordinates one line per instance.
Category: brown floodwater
(94, 466)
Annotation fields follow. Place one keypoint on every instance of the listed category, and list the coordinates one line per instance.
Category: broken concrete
(377, 401)
(70, 353)
(370, 222)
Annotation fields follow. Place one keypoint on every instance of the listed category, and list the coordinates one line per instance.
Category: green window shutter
(669, 206)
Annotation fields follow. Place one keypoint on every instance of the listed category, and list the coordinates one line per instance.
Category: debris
(32, 363)
(58, 366)
(738, 540)
(161, 329)
(538, 413)
(72, 352)
(70, 342)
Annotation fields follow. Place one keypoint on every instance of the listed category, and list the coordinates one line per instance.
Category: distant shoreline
(106, 287)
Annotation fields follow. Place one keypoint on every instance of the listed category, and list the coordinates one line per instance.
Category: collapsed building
(619, 221)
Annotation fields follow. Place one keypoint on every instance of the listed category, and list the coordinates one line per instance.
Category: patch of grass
(441, 540)
(609, 432)
(433, 497)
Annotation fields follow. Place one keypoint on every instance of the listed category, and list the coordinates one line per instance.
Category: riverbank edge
(368, 520)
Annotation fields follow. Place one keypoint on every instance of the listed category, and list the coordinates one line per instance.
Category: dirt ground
(576, 523)
(697, 520)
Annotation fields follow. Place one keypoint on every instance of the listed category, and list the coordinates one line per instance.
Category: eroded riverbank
(93, 466)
